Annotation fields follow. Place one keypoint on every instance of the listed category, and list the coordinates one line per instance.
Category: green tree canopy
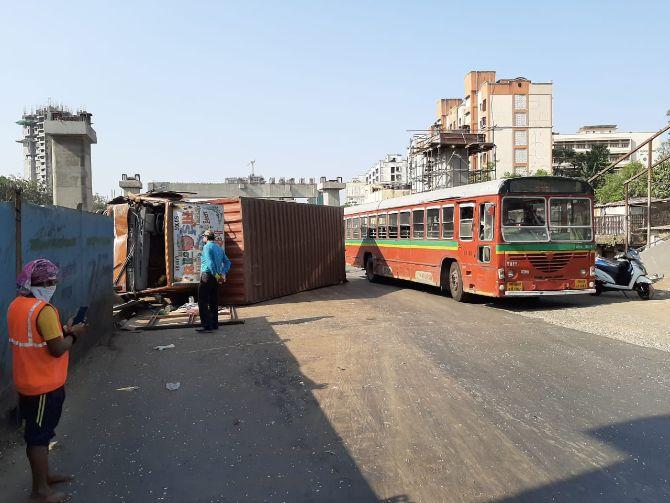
(612, 188)
(562, 155)
(31, 190)
(589, 163)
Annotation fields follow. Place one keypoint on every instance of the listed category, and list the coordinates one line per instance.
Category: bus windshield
(524, 219)
(570, 219)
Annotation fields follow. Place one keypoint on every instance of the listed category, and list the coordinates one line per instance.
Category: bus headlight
(510, 273)
(591, 284)
(501, 273)
(592, 270)
(501, 288)
(582, 272)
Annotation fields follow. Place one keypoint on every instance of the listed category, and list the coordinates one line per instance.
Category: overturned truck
(276, 248)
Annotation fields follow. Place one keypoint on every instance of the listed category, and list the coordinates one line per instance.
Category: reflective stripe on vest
(30, 343)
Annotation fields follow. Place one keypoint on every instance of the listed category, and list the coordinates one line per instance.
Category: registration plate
(516, 286)
(580, 283)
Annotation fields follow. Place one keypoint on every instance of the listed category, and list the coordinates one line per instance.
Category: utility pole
(649, 169)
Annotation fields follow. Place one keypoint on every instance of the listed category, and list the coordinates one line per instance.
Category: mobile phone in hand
(81, 315)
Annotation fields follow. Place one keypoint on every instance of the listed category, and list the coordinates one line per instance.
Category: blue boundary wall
(7, 294)
(82, 246)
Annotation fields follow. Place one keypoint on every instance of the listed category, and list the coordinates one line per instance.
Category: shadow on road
(642, 476)
(244, 424)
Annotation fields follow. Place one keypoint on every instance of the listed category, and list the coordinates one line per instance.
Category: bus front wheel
(456, 284)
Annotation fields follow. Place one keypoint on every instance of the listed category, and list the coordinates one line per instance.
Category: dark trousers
(208, 301)
(41, 413)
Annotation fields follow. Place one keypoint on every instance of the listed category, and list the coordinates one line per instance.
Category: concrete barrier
(656, 259)
(82, 246)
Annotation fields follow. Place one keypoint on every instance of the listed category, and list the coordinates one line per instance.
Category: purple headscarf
(37, 271)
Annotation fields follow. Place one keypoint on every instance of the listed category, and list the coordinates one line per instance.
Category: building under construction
(438, 159)
(57, 153)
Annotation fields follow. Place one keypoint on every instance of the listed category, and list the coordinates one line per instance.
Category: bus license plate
(580, 283)
(517, 286)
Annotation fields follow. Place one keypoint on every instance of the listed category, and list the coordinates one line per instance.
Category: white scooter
(625, 273)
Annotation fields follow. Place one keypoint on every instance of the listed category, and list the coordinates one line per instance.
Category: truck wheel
(644, 290)
(456, 284)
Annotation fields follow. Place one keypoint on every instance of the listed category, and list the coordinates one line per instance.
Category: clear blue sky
(192, 91)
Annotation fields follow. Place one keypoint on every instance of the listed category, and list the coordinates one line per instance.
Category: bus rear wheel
(370, 270)
(456, 284)
(445, 289)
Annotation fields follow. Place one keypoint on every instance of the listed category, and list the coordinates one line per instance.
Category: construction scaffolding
(439, 159)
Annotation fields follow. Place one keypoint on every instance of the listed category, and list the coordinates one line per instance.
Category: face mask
(43, 292)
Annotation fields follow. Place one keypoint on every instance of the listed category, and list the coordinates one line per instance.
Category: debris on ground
(128, 388)
(172, 386)
(163, 348)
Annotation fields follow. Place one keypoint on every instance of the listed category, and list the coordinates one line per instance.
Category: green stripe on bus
(522, 247)
(405, 243)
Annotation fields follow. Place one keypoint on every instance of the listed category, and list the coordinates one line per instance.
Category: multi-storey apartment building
(513, 114)
(391, 170)
(608, 135)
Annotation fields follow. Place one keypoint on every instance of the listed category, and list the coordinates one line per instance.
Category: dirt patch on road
(625, 318)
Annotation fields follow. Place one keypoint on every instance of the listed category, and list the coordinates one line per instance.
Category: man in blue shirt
(214, 265)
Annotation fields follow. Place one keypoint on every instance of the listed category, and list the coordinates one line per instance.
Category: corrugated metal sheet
(233, 291)
(290, 248)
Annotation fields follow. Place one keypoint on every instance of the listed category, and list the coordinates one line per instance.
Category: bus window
(381, 226)
(433, 223)
(486, 214)
(448, 222)
(466, 218)
(570, 219)
(418, 224)
(347, 228)
(404, 225)
(356, 228)
(393, 226)
(372, 227)
(524, 219)
(364, 227)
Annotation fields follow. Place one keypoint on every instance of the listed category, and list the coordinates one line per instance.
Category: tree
(611, 188)
(589, 163)
(99, 203)
(31, 190)
(562, 155)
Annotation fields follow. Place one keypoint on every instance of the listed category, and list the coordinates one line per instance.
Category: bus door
(467, 243)
(486, 271)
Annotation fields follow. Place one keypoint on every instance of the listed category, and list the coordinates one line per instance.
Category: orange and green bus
(517, 237)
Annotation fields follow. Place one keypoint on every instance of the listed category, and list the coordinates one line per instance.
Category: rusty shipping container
(276, 248)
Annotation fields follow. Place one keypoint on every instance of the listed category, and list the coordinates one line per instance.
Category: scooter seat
(618, 269)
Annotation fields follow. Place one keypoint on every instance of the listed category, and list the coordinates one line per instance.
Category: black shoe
(203, 330)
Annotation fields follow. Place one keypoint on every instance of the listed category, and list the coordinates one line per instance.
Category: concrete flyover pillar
(70, 143)
(131, 184)
(330, 190)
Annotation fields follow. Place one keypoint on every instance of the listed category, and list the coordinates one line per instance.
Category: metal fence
(615, 225)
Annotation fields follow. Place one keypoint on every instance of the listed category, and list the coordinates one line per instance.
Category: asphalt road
(366, 392)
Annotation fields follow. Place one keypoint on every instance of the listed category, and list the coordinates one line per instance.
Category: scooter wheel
(599, 290)
(644, 290)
